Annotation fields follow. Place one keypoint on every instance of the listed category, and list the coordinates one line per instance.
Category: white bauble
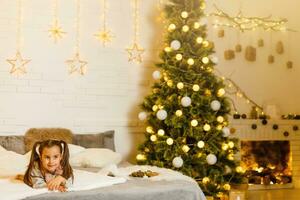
(214, 59)
(156, 75)
(175, 44)
(177, 162)
(226, 131)
(215, 105)
(161, 114)
(211, 159)
(186, 101)
(142, 116)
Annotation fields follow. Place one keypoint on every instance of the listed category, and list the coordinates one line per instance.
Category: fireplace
(267, 162)
(284, 138)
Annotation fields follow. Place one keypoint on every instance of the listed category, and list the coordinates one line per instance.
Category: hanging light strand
(19, 22)
(136, 20)
(77, 32)
(104, 13)
(244, 23)
(135, 51)
(55, 10)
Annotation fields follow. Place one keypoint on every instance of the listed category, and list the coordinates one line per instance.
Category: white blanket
(15, 190)
(164, 173)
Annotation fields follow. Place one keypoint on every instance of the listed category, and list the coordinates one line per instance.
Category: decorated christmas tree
(187, 110)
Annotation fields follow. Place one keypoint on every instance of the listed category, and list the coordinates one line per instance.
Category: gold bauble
(221, 92)
(153, 138)
(207, 92)
(178, 56)
(185, 148)
(140, 157)
(224, 146)
(154, 108)
(196, 25)
(170, 83)
(185, 28)
(196, 87)
(194, 122)
(190, 61)
(199, 40)
(161, 132)
(200, 144)
(184, 14)
(160, 107)
(230, 157)
(209, 69)
(149, 129)
(199, 155)
(206, 127)
(239, 169)
(170, 141)
(205, 60)
(226, 186)
(205, 43)
(220, 119)
(219, 127)
(178, 113)
(171, 27)
(202, 6)
(168, 49)
(231, 144)
(180, 85)
(205, 180)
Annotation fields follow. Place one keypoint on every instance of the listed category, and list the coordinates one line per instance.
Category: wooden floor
(282, 194)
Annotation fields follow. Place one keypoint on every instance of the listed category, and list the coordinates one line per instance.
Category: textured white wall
(109, 95)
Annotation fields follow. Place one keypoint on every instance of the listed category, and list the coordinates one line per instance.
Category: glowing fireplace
(267, 162)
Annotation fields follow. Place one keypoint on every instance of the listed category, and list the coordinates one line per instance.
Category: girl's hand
(62, 188)
(55, 183)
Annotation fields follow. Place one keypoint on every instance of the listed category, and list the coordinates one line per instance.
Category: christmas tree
(187, 110)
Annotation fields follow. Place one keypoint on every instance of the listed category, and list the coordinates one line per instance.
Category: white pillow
(95, 157)
(12, 164)
(75, 149)
(2, 149)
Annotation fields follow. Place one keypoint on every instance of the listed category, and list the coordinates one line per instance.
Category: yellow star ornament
(135, 53)
(77, 65)
(56, 31)
(104, 36)
(18, 64)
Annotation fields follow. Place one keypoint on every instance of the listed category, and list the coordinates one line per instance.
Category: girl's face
(51, 157)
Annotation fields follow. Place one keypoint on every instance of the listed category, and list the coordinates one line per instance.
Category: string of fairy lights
(104, 35)
(18, 63)
(76, 64)
(244, 23)
(55, 31)
(135, 51)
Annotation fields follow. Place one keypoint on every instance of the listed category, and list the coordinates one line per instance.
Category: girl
(49, 166)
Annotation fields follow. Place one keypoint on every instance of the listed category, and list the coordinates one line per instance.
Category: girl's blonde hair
(36, 154)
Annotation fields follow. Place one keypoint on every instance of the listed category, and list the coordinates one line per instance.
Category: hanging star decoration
(18, 64)
(77, 65)
(55, 31)
(104, 36)
(135, 53)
